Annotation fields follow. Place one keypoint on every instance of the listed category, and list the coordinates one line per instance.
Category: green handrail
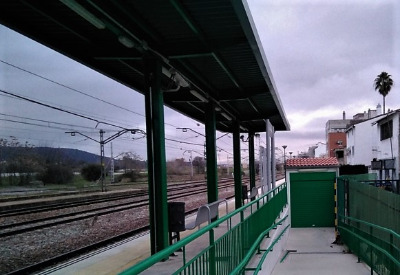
(386, 257)
(164, 254)
(252, 250)
(387, 254)
(372, 225)
(270, 249)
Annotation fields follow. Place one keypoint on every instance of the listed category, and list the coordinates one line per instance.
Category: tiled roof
(312, 162)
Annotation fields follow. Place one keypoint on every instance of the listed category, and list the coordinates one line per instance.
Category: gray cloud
(324, 58)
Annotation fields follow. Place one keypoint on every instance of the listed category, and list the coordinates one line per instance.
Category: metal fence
(377, 246)
(369, 223)
(226, 249)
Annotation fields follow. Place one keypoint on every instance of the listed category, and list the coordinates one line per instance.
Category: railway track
(27, 226)
(75, 202)
(103, 245)
(51, 265)
(26, 230)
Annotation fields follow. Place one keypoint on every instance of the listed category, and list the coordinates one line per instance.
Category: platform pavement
(315, 254)
(119, 258)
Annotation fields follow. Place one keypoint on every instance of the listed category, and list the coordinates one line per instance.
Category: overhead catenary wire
(98, 121)
(34, 124)
(66, 108)
(76, 90)
(70, 88)
(46, 121)
(60, 109)
(14, 95)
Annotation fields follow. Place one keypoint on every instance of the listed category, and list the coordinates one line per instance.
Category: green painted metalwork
(369, 222)
(237, 167)
(369, 203)
(270, 249)
(156, 156)
(211, 153)
(252, 170)
(377, 246)
(255, 247)
(312, 199)
(232, 247)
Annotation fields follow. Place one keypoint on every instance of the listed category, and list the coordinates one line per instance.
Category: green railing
(225, 247)
(377, 246)
(256, 248)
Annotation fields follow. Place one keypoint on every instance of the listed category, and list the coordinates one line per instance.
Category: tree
(176, 167)
(19, 160)
(91, 172)
(131, 161)
(56, 174)
(383, 84)
(200, 163)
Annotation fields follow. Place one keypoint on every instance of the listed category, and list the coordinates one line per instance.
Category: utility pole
(105, 141)
(284, 158)
(102, 160)
(191, 162)
(112, 166)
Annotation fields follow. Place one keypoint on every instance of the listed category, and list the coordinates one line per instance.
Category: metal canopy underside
(212, 44)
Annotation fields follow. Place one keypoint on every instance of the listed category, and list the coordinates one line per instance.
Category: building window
(387, 130)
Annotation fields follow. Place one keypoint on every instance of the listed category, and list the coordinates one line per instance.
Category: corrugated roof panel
(211, 43)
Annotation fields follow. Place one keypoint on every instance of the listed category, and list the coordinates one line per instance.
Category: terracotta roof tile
(312, 162)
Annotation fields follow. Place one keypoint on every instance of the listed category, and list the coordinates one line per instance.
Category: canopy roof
(210, 47)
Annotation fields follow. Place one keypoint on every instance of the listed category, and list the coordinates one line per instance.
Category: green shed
(311, 190)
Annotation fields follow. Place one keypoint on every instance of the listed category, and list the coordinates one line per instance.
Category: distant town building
(375, 143)
(335, 132)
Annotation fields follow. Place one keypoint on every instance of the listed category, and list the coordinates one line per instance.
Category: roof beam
(190, 55)
(190, 22)
(56, 21)
(137, 19)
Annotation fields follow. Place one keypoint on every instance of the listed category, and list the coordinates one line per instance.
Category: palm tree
(383, 84)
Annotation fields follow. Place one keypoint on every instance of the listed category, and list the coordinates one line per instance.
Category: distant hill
(71, 154)
(51, 154)
(65, 155)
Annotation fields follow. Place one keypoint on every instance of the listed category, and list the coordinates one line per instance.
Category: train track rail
(176, 192)
(61, 261)
(74, 202)
(27, 226)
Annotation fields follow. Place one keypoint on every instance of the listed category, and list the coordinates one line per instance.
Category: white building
(375, 143)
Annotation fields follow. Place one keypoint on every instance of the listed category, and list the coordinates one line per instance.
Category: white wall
(364, 143)
(385, 147)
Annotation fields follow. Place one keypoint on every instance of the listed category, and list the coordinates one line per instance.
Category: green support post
(211, 154)
(252, 170)
(212, 175)
(156, 160)
(237, 167)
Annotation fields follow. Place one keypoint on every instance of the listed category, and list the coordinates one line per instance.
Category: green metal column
(252, 170)
(212, 173)
(156, 160)
(237, 167)
(211, 154)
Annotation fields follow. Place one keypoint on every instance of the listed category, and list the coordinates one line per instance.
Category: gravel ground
(28, 248)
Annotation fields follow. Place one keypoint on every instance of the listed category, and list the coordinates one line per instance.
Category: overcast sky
(323, 57)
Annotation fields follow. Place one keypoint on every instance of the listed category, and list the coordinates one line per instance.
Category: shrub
(91, 172)
(56, 174)
(131, 175)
